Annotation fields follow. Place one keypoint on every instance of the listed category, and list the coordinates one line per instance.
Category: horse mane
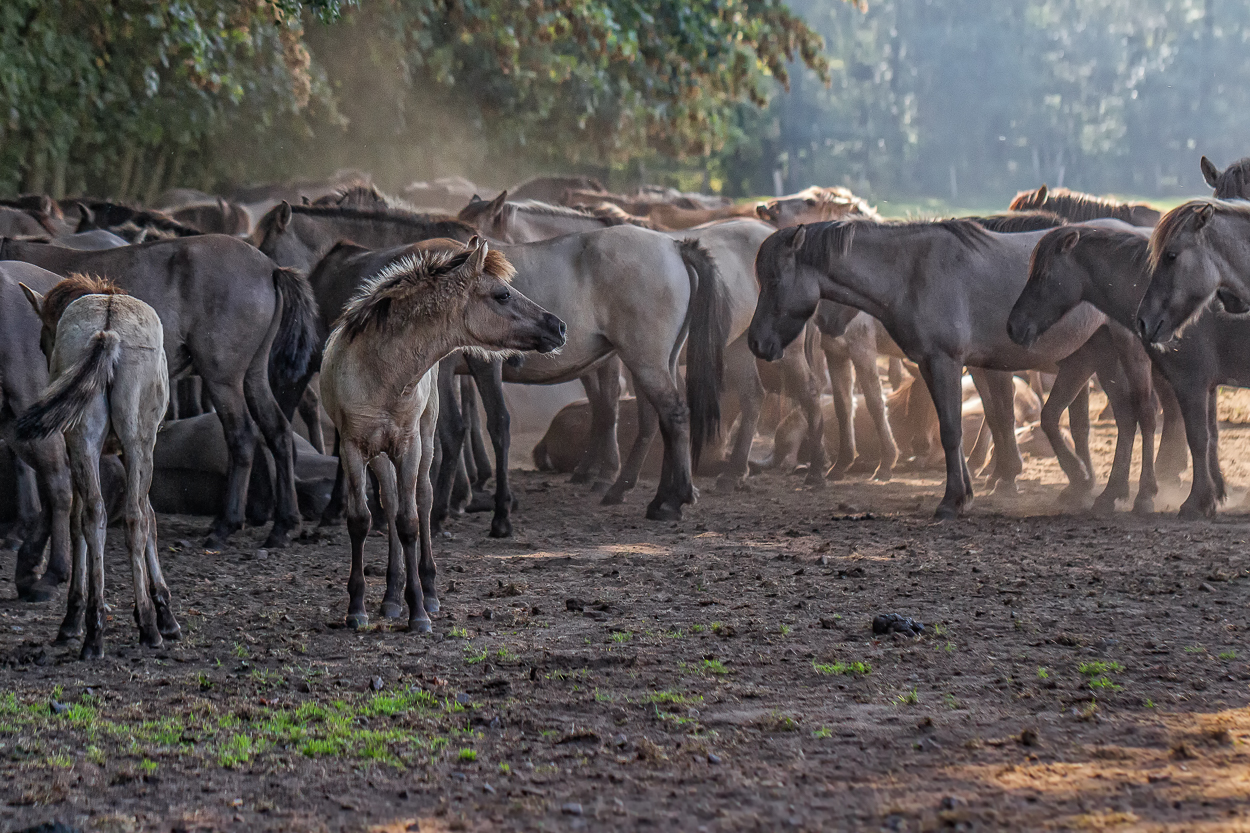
(69, 290)
(360, 194)
(1011, 222)
(415, 285)
(1076, 206)
(611, 214)
(1234, 180)
(606, 213)
(1179, 218)
(825, 241)
(1127, 246)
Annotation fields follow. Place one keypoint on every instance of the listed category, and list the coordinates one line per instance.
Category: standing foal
(109, 381)
(377, 386)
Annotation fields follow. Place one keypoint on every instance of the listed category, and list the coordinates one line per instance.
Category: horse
(814, 205)
(214, 217)
(1078, 207)
(109, 381)
(551, 189)
(942, 290)
(732, 245)
(1111, 270)
(17, 222)
(1199, 250)
(43, 470)
(623, 290)
(377, 383)
(231, 316)
(135, 224)
(1232, 183)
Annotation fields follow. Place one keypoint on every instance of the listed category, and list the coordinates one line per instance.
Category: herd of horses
(392, 319)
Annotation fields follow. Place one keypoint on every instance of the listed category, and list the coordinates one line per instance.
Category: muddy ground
(600, 672)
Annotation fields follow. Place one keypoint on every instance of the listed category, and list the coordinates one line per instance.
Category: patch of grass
(147, 766)
(204, 682)
(1097, 667)
(785, 630)
(60, 760)
(675, 698)
(265, 677)
(1150, 704)
(781, 722)
(1105, 683)
(459, 632)
(715, 666)
(1195, 649)
(908, 698)
(950, 701)
(939, 630)
(1043, 673)
(862, 669)
(697, 629)
(472, 657)
(467, 755)
(621, 637)
(95, 755)
(240, 650)
(239, 749)
(1228, 655)
(504, 655)
(822, 733)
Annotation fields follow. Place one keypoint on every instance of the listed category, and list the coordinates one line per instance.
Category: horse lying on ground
(377, 383)
(109, 381)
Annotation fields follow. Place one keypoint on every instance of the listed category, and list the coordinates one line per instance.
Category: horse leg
(1172, 455)
(241, 438)
(1213, 445)
(842, 380)
(166, 623)
(804, 389)
(1194, 403)
(278, 435)
(137, 533)
(676, 484)
(895, 374)
(388, 495)
(32, 529)
(1141, 390)
(590, 384)
(409, 529)
(997, 395)
(1071, 379)
(476, 460)
(742, 375)
(359, 521)
(942, 375)
(55, 491)
(864, 358)
(427, 571)
(310, 412)
(489, 377)
(451, 428)
(1119, 398)
(84, 444)
(76, 601)
(332, 515)
(608, 462)
(648, 423)
(1078, 427)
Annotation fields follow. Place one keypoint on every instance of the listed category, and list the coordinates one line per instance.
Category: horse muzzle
(767, 348)
(1233, 303)
(552, 334)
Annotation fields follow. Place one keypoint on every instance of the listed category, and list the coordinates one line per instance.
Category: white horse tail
(62, 405)
(709, 319)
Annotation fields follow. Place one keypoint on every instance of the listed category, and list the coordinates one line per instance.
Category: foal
(108, 381)
(378, 386)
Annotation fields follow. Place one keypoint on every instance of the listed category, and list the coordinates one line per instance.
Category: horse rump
(63, 403)
(705, 359)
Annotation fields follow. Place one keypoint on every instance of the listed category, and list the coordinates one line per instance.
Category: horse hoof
(278, 538)
(883, 475)
(835, 474)
(580, 477)
(173, 634)
(421, 625)
(430, 599)
(1144, 506)
(1104, 505)
(64, 636)
(215, 542)
(482, 502)
(92, 650)
(861, 466)
(946, 512)
(391, 610)
(815, 480)
(663, 512)
(151, 640)
(600, 486)
(613, 497)
(1006, 486)
(357, 621)
(501, 528)
(1190, 512)
(41, 591)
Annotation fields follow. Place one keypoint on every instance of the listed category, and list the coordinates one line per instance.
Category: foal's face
(1182, 281)
(1053, 288)
(498, 317)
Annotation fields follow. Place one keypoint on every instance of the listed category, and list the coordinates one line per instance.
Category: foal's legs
(942, 374)
(278, 436)
(864, 358)
(1172, 455)
(1137, 369)
(802, 386)
(310, 412)
(54, 488)
(648, 424)
(601, 460)
(75, 605)
(84, 444)
(842, 380)
(1213, 444)
(742, 376)
(388, 495)
(166, 623)
(1195, 403)
(1073, 376)
(356, 483)
(451, 430)
(997, 397)
(241, 435)
(426, 570)
(481, 471)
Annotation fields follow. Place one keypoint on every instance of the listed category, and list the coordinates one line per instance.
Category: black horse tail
(709, 318)
(62, 405)
(296, 341)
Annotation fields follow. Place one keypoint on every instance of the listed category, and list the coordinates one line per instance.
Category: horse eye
(1170, 257)
(810, 201)
(503, 296)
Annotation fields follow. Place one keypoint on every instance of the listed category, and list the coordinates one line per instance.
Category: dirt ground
(599, 672)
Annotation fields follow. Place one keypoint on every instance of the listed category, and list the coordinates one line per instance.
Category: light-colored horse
(109, 381)
(377, 384)
(815, 205)
(943, 290)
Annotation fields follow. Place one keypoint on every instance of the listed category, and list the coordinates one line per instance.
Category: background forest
(963, 100)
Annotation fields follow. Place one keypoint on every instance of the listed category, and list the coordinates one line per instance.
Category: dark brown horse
(1232, 183)
(1078, 208)
(225, 308)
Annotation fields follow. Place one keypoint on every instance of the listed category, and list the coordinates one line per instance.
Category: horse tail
(62, 405)
(296, 341)
(709, 318)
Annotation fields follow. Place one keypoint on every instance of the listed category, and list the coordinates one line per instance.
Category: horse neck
(403, 355)
(529, 227)
(1112, 283)
(859, 280)
(1228, 240)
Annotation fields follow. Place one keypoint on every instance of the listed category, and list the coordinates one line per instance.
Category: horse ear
(496, 205)
(1202, 215)
(283, 218)
(86, 218)
(1042, 192)
(36, 300)
(800, 235)
(478, 249)
(1209, 172)
(1068, 241)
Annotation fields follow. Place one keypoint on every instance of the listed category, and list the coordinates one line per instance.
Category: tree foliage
(123, 97)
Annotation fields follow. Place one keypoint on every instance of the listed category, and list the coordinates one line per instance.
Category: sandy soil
(598, 671)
